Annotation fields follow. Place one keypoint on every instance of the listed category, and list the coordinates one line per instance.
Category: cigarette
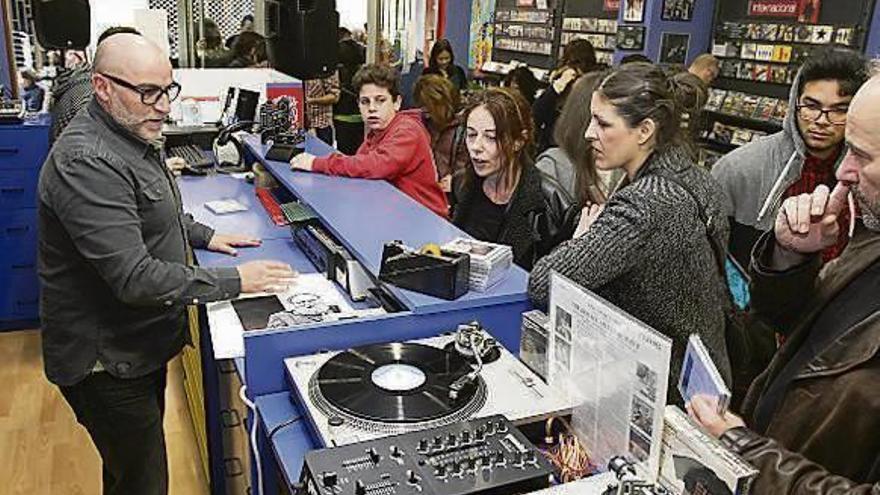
(852, 213)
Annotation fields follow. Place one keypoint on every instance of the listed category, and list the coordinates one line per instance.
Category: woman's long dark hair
(440, 46)
(569, 136)
(514, 131)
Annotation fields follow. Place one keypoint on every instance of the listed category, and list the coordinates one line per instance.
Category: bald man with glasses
(114, 271)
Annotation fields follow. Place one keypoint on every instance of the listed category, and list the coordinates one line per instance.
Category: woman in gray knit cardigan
(647, 251)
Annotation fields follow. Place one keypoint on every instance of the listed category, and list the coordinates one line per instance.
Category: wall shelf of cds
(593, 20)
(525, 31)
(761, 45)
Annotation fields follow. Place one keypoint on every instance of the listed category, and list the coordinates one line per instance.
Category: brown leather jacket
(825, 436)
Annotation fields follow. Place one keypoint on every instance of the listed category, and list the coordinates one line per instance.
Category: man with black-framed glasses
(114, 261)
(759, 176)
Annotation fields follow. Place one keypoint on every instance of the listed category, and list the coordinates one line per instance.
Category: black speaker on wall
(302, 36)
(62, 23)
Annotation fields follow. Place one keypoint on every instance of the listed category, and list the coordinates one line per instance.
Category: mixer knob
(501, 427)
(465, 437)
(423, 445)
(438, 442)
(486, 460)
(471, 464)
(499, 458)
(396, 452)
(451, 440)
(329, 479)
(440, 471)
(457, 468)
(518, 458)
(412, 478)
(480, 434)
(490, 428)
(374, 456)
(530, 456)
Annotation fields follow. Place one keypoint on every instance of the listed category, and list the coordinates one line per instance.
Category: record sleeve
(730, 69)
(785, 32)
(761, 72)
(844, 36)
(746, 71)
(764, 110)
(749, 104)
(716, 99)
(753, 31)
(781, 54)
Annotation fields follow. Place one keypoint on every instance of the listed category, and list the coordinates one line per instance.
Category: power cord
(285, 424)
(254, 448)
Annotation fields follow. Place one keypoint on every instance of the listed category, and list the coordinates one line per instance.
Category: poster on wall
(481, 32)
(631, 38)
(525, 3)
(677, 10)
(633, 10)
(612, 6)
(803, 10)
(674, 48)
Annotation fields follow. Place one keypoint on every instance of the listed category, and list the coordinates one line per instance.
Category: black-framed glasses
(836, 116)
(150, 94)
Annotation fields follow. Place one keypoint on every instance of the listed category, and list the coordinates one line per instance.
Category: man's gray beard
(870, 211)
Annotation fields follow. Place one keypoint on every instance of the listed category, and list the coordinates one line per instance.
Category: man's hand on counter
(226, 243)
(302, 161)
(265, 276)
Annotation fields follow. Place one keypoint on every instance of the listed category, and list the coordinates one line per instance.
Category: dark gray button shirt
(113, 254)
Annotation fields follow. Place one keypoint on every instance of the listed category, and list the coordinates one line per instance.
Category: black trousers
(124, 419)
(349, 136)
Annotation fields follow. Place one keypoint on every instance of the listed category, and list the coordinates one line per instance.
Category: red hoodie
(400, 154)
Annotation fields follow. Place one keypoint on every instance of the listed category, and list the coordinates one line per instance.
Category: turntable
(385, 389)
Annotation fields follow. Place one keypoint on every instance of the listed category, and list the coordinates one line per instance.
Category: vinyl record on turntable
(396, 383)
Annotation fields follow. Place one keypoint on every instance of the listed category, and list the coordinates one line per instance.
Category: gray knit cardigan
(648, 254)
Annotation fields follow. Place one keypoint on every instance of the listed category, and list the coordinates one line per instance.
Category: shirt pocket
(157, 209)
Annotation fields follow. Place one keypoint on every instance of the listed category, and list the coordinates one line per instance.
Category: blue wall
(873, 46)
(458, 29)
(699, 29)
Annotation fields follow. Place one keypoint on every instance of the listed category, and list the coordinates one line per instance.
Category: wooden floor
(43, 450)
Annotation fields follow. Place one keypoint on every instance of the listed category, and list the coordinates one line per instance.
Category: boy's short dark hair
(379, 75)
(117, 30)
(849, 68)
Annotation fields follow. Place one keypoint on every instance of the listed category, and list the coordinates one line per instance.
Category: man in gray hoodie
(757, 177)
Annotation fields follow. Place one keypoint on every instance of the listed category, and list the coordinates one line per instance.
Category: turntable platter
(395, 383)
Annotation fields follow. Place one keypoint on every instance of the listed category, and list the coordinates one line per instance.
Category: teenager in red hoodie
(397, 147)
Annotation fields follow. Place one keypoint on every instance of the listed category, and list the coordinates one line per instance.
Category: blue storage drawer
(18, 234)
(19, 293)
(18, 188)
(23, 146)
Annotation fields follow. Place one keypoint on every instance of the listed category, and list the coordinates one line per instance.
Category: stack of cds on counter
(489, 262)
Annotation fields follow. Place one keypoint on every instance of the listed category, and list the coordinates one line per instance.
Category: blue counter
(363, 215)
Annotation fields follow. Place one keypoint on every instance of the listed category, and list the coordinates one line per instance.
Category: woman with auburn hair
(502, 197)
(440, 102)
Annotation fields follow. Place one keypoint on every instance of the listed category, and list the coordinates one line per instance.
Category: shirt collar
(104, 117)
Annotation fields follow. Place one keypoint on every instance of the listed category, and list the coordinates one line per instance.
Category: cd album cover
(674, 48)
(631, 37)
(749, 51)
(678, 10)
(716, 99)
(633, 10)
(822, 35)
(764, 53)
(844, 36)
(785, 32)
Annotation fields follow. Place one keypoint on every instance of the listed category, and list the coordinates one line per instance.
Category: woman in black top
(578, 58)
(442, 62)
(502, 197)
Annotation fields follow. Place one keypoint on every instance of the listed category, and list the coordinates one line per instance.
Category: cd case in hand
(700, 376)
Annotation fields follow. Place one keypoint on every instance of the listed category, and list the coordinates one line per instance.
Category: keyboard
(194, 156)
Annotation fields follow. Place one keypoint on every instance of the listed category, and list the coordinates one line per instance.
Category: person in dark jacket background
(523, 80)
(648, 251)
(502, 197)
(813, 416)
(31, 93)
(442, 62)
(578, 58)
(347, 121)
